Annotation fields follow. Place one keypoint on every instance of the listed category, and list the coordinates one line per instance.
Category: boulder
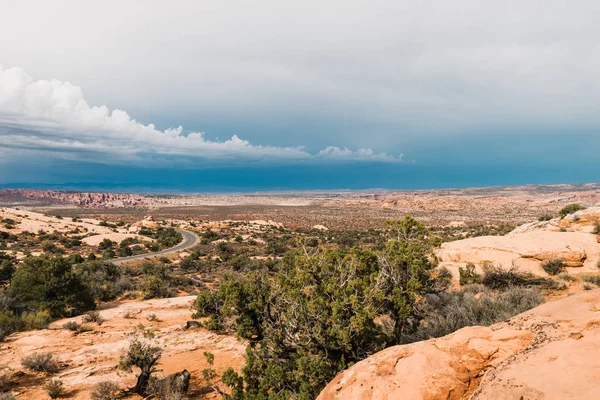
(445, 368)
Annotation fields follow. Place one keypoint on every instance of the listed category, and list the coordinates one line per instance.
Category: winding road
(189, 240)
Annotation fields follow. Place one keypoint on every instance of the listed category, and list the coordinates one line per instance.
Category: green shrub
(105, 280)
(554, 266)
(596, 230)
(36, 319)
(545, 217)
(11, 322)
(75, 259)
(318, 313)
(570, 209)
(155, 286)
(168, 237)
(143, 355)
(41, 362)
(124, 251)
(108, 254)
(210, 235)
(158, 280)
(127, 242)
(49, 283)
(7, 270)
(442, 279)
(152, 246)
(225, 251)
(468, 275)
(51, 248)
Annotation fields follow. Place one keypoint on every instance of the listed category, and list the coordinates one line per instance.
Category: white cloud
(336, 153)
(53, 116)
(408, 68)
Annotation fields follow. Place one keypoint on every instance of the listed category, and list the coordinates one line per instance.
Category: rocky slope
(29, 221)
(549, 352)
(528, 246)
(580, 221)
(90, 357)
(80, 199)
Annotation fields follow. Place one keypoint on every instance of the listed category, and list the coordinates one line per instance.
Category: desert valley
(299, 200)
(485, 293)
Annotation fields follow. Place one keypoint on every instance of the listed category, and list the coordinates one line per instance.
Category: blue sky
(237, 95)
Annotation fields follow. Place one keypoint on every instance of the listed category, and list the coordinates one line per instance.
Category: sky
(243, 95)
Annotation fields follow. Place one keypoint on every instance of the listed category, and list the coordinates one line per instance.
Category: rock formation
(81, 199)
(526, 248)
(91, 357)
(549, 352)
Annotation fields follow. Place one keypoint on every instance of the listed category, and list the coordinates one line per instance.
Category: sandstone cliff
(80, 199)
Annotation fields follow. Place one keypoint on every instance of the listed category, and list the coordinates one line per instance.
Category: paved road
(189, 240)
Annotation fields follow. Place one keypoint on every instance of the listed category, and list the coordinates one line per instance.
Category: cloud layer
(53, 116)
(357, 73)
(448, 82)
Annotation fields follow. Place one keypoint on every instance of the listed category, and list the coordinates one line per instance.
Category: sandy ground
(34, 222)
(115, 237)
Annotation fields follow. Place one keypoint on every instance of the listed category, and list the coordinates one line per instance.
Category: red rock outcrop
(81, 199)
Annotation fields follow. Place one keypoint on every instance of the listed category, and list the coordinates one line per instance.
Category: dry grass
(41, 362)
(106, 390)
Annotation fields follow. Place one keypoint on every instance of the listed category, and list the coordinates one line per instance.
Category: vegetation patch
(49, 283)
(474, 305)
(496, 277)
(467, 275)
(55, 388)
(554, 266)
(106, 390)
(570, 209)
(41, 362)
